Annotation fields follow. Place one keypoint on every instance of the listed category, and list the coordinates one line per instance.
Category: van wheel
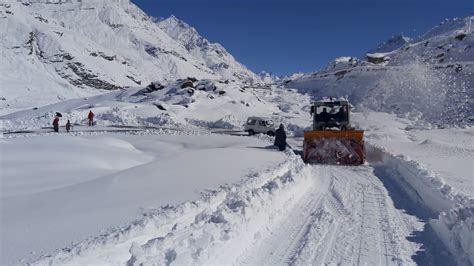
(251, 132)
(270, 133)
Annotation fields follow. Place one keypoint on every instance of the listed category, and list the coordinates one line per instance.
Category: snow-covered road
(281, 212)
(347, 217)
(294, 214)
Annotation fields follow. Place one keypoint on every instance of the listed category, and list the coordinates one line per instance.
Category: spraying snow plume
(421, 91)
(414, 89)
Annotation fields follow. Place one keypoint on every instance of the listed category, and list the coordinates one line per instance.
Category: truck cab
(330, 115)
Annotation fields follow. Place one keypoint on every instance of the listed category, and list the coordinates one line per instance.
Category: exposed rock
(107, 57)
(461, 36)
(154, 51)
(340, 74)
(40, 18)
(206, 85)
(377, 58)
(154, 86)
(187, 84)
(138, 82)
(85, 78)
(159, 106)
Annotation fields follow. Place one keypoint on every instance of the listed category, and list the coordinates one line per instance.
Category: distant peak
(174, 20)
(393, 43)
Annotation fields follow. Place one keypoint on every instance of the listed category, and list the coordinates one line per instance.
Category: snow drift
(451, 213)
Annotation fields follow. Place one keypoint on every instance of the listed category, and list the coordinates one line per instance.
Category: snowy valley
(168, 176)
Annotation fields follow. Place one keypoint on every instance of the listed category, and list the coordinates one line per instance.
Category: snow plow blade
(344, 147)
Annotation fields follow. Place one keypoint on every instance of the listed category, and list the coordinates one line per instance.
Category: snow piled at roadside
(454, 224)
(226, 122)
(218, 227)
(456, 229)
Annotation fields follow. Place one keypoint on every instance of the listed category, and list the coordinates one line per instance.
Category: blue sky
(287, 36)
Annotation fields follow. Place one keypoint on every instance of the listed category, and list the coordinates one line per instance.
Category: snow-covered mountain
(391, 44)
(212, 55)
(56, 50)
(429, 77)
(269, 78)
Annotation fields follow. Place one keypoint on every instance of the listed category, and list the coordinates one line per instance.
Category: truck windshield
(335, 113)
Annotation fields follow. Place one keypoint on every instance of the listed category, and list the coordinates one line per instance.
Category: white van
(260, 125)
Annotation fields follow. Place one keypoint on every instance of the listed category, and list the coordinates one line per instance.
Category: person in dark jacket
(280, 138)
(56, 124)
(324, 115)
(68, 126)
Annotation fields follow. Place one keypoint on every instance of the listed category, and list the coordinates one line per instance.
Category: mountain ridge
(59, 50)
(429, 77)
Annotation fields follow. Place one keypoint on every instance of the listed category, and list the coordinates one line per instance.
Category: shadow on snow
(405, 198)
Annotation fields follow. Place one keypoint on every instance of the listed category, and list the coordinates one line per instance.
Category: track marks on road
(353, 222)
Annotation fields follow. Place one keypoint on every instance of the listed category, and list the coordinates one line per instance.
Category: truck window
(251, 122)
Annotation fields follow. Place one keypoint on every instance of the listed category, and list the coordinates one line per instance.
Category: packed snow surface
(58, 189)
(152, 184)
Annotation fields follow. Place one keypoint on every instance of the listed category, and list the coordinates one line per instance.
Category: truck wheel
(270, 133)
(251, 132)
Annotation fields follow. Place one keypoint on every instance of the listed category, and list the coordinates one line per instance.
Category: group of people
(280, 134)
(326, 116)
(90, 118)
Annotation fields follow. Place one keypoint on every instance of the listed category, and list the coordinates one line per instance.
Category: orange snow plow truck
(333, 140)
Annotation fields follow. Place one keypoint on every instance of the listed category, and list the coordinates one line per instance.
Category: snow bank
(454, 211)
(223, 233)
(226, 122)
(83, 185)
(219, 227)
(456, 229)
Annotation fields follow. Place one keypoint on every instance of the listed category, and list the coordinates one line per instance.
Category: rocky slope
(212, 55)
(57, 50)
(428, 78)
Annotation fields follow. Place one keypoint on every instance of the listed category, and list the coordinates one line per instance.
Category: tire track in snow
(354, 222)
(280, 246)
(219, 227)
(294, 215)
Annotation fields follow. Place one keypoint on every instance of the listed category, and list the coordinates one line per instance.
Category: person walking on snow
(56, 124)
(91, 118)
(68, 126)
(280, 138)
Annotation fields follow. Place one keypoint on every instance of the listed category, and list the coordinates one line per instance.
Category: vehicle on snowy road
(333, 140)
(263, 125)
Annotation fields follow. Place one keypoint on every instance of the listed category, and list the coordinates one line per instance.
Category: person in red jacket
(91, 118)
(56, 124)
